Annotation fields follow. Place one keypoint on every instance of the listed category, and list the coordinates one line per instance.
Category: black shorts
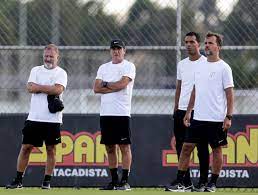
(212, 132)
(35, 133)
(115, 130)
(179, 127)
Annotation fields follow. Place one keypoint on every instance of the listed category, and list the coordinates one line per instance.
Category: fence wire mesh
(150, 28)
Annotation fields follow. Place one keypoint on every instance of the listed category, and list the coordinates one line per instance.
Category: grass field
(134, 191)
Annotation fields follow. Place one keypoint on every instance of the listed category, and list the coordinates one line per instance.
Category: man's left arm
(100, 87)
(230, 104)
(56, 89)
(119, 85)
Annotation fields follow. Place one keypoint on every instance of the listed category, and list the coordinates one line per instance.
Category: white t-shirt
(211, 79)
(116, 103)
(38, 104)
(185, 73)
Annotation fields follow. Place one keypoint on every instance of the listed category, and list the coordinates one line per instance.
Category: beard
(48, 65)
(191, 52)
(208, 52)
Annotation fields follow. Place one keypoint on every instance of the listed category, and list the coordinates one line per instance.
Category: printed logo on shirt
(212, 74)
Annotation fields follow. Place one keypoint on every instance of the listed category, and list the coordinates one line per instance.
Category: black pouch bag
(54, 103)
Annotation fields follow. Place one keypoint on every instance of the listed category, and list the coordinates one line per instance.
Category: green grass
(135, 191)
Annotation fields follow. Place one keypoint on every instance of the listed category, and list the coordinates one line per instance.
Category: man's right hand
(33, 88)
(175, 108)
(187, 119)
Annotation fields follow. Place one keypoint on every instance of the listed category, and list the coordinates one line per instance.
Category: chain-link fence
(153, 31)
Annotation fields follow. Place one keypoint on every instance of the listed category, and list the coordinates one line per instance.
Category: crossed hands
(33, 88)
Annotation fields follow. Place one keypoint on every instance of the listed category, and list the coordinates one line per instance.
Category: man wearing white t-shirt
(212, 99)
(114, 82)
(46, 84)
(184, 86)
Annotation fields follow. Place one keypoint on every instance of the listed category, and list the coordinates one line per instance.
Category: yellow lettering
(229, 151)
(101, 154)
(119, 156)
(194, 156)
(39, 156)
(64, 149)
(84, 149)
(247, 149)
(171, 158)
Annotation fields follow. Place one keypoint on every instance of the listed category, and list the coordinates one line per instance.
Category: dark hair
(219, 37)
(198, 38)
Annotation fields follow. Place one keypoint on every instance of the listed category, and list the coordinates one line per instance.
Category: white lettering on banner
(234, 173)
(195, 173)
(230, 173)
(67, 172)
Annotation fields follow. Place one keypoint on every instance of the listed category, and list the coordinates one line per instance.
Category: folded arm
(56, 89)
(109, 87)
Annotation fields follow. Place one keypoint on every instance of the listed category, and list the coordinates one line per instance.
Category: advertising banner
(82, 160)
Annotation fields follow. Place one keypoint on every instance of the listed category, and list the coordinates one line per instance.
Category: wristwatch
(104, 84)
(229, 117)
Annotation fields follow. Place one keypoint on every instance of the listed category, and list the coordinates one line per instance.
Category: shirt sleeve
(129, 71)
(99, 73)
(178, 72)
(227, 77)
(62, 78)
(33, 75)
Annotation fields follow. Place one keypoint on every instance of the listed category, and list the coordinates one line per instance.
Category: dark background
(150, 134)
